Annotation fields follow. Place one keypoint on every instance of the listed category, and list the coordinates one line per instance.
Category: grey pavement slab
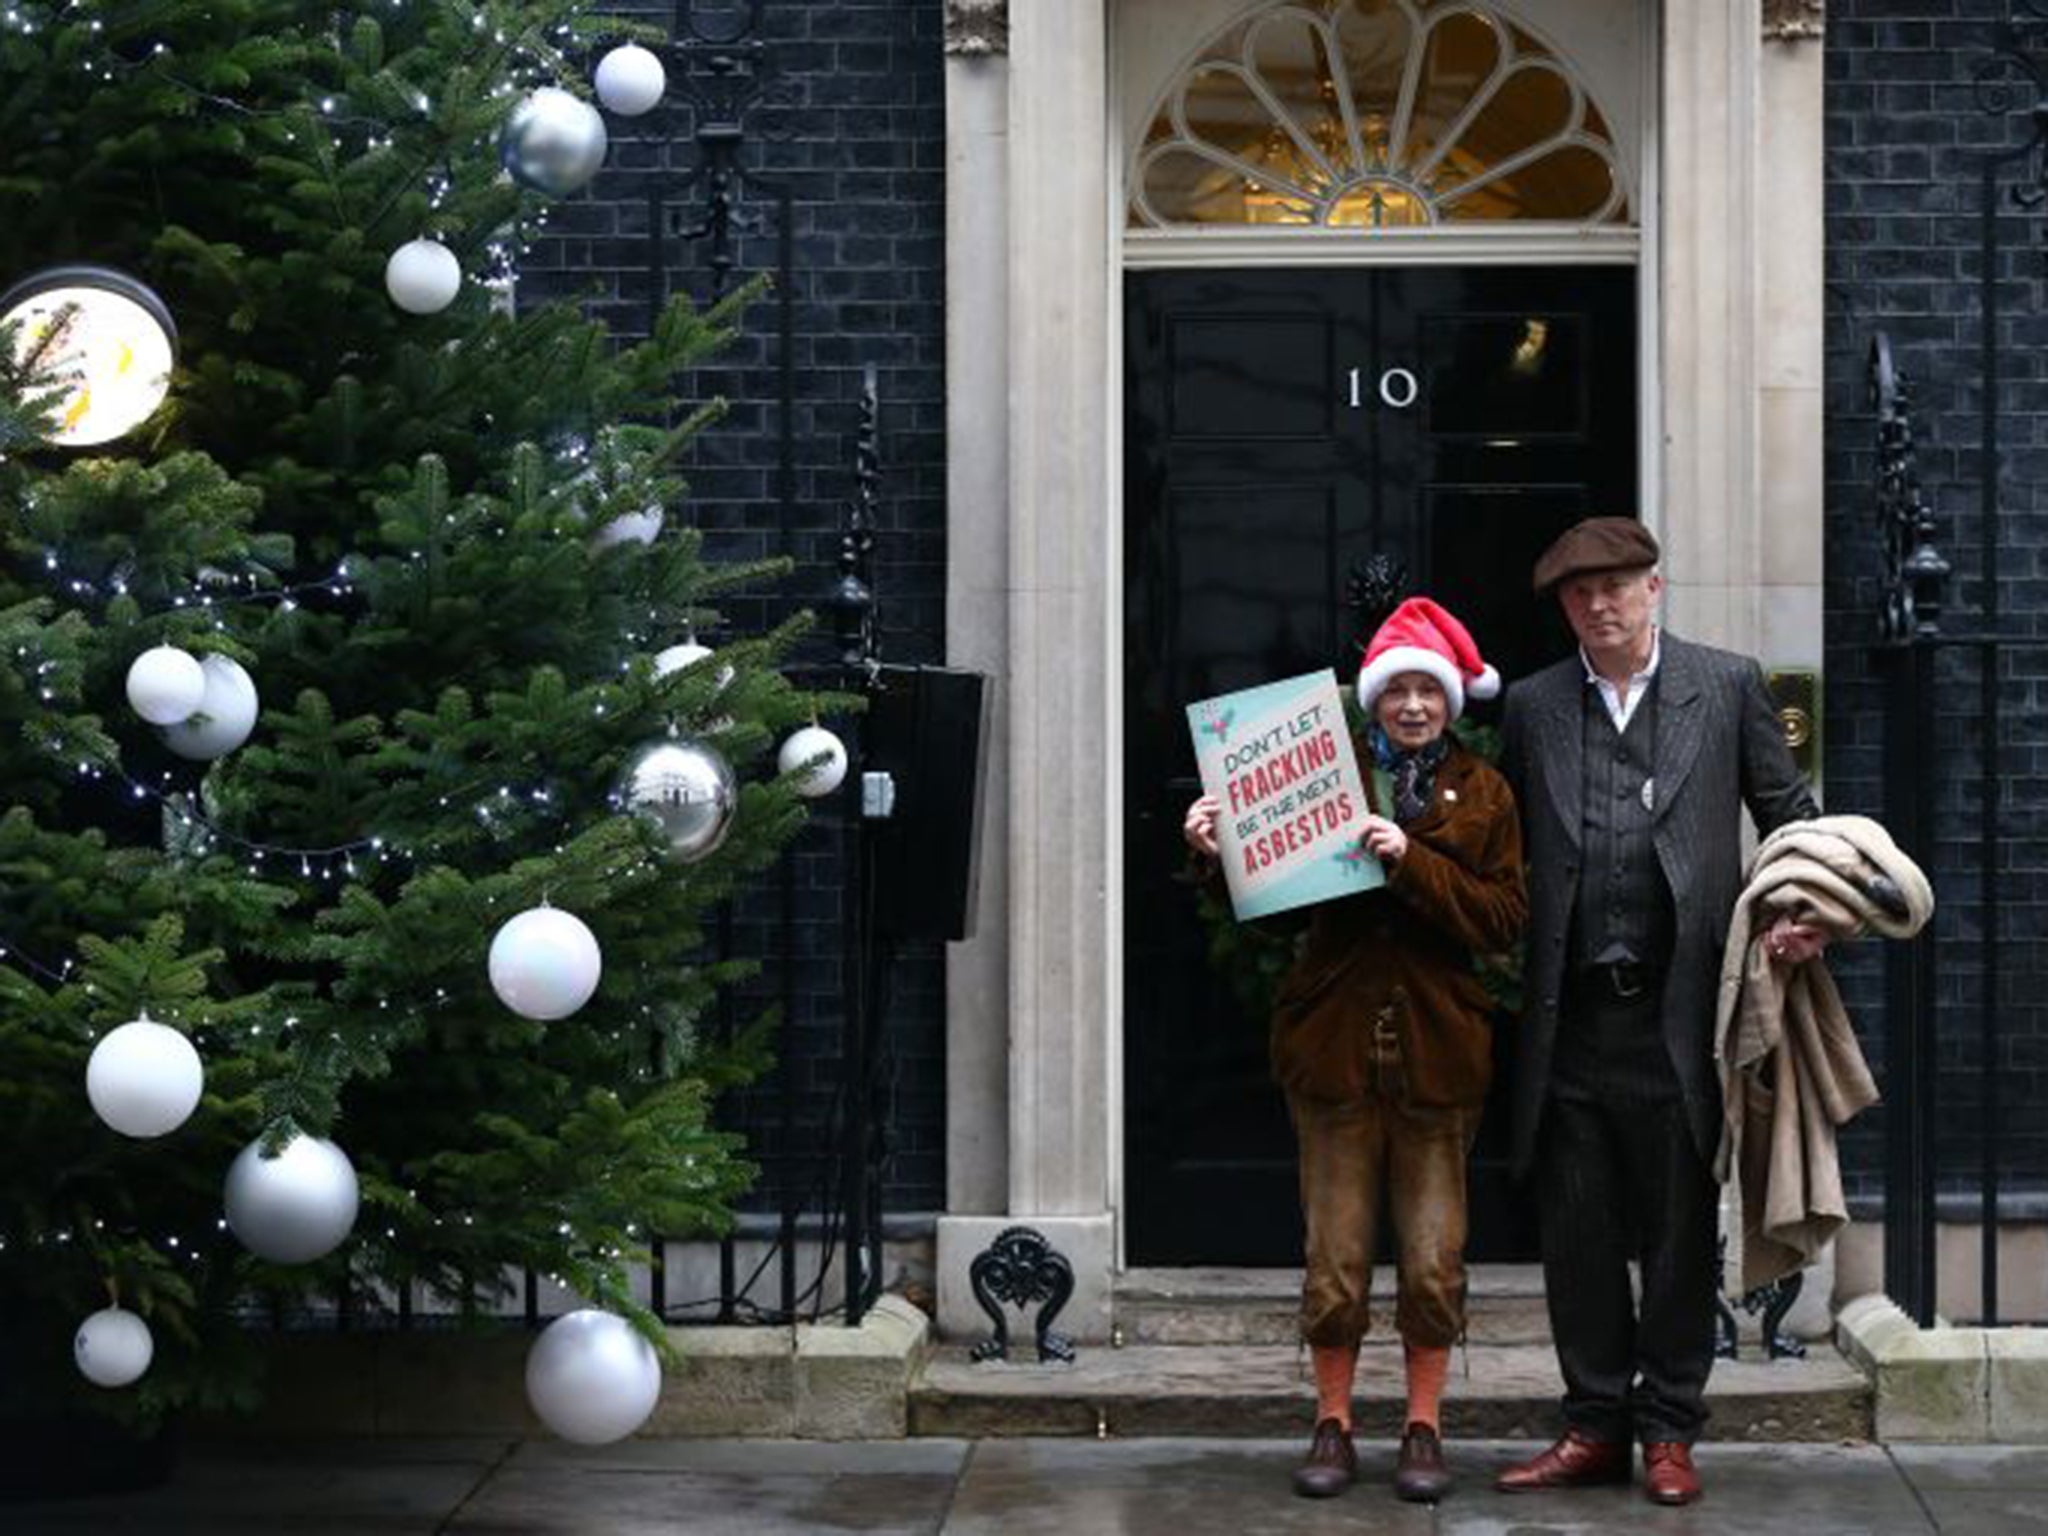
(734, 1488)
(1169, 1487)
(1185, 1487)
(1018, 1487)
(345, 1488)
(1978, 1490)
(1799, 1490)
(1976, 1468)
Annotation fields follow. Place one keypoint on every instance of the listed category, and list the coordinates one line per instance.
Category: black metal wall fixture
(724, 72)
(1021, 1269)
(2011, 90)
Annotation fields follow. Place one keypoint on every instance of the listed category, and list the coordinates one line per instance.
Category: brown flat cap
(1597, 544)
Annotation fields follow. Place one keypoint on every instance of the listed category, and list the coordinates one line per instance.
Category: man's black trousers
(1620, 1178)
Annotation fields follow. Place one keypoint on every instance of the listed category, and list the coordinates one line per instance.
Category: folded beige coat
(1791, 1070)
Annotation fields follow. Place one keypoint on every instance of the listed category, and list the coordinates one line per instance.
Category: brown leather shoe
(1420, 1476)
(1331, 1465)
(1668, 1473)
(1574, 1462)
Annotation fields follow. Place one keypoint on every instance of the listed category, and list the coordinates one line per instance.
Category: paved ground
(1016, 1488)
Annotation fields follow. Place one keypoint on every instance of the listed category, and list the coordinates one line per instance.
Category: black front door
(1281, 426)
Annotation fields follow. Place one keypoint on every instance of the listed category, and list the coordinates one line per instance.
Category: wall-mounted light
(112, 355)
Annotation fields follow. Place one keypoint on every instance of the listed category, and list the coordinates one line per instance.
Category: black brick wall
(854, 127)
(859, 138)
(1906, 143)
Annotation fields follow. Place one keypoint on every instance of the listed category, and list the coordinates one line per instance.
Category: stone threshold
(1216, 1305)
(1944, 1383)
(1496, 1391)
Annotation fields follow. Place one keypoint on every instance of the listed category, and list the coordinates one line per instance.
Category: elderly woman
(1381, 1037)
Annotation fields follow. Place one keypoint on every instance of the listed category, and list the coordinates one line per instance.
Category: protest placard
(1278, 759)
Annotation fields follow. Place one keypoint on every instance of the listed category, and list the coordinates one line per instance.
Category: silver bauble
(685, 790)
(553, 142)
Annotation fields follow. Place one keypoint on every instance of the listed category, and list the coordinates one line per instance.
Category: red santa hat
(1420, 636)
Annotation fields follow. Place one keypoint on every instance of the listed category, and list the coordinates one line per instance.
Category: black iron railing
(826, 1180)
(1925, 662)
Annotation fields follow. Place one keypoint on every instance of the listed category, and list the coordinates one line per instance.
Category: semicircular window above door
(1377, 114)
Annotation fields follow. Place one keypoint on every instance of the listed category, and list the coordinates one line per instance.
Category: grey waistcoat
(1623, 910)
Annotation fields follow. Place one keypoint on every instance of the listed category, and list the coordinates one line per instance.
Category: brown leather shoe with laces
(1574, 1462)
(1331, 1465)
(1420, 1476)
(1669, 1476)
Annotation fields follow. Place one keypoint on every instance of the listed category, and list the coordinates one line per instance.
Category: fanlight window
(1376, 114)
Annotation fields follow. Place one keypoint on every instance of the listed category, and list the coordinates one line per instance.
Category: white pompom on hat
(1421, 636)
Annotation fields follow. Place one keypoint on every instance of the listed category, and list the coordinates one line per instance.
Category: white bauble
(592, 1378)
(545, 963)
(165, 684)
(630, 80)
(632, 528)
(687, 654)
(423, 277)
(677, 657)
(113, 1348)
(810, 742)
(295, 1207)
(225, 717)
(552, 142)
(144, 1078)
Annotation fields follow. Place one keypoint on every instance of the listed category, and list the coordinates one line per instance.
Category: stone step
(1496, 1391)
(1503, 1305)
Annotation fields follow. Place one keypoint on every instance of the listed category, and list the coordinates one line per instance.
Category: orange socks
(1336, 1365)
(1427, 1369)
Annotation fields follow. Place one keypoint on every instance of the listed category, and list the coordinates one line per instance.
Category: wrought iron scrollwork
(1787, 20)
(2012, 82)
(977, 28)
(1020, 1268)
(852, 599)
(1775, 1301)
(1910, 598)
(724, 74)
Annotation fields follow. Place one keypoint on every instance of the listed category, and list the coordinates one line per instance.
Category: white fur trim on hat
(1374, 676)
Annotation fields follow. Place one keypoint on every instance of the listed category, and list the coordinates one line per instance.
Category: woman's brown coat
(1401, 958)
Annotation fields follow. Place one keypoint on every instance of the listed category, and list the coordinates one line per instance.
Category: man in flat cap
(1631, 762)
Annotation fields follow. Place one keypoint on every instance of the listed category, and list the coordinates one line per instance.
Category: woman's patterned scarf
(1413, 773)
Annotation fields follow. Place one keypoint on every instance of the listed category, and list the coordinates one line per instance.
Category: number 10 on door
(1398, 388)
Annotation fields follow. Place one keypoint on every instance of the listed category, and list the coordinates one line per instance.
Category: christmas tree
(375, 635)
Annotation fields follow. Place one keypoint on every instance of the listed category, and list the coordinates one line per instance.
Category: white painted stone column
(977, 591)
(1710, 511)
(1743, 311)
(1792, 346)
(1054, 695)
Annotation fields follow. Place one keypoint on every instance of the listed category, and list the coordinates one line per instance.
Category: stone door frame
(1732, 341)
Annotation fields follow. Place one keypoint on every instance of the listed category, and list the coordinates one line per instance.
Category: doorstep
(1496, 1391)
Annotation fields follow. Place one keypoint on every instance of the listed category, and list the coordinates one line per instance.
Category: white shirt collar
(1621, 709)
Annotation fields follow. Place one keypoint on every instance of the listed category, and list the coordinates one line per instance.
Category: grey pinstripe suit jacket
(1719, 747)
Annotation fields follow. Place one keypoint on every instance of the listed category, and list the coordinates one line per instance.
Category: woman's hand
(1385, 841)
(1200, 826)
